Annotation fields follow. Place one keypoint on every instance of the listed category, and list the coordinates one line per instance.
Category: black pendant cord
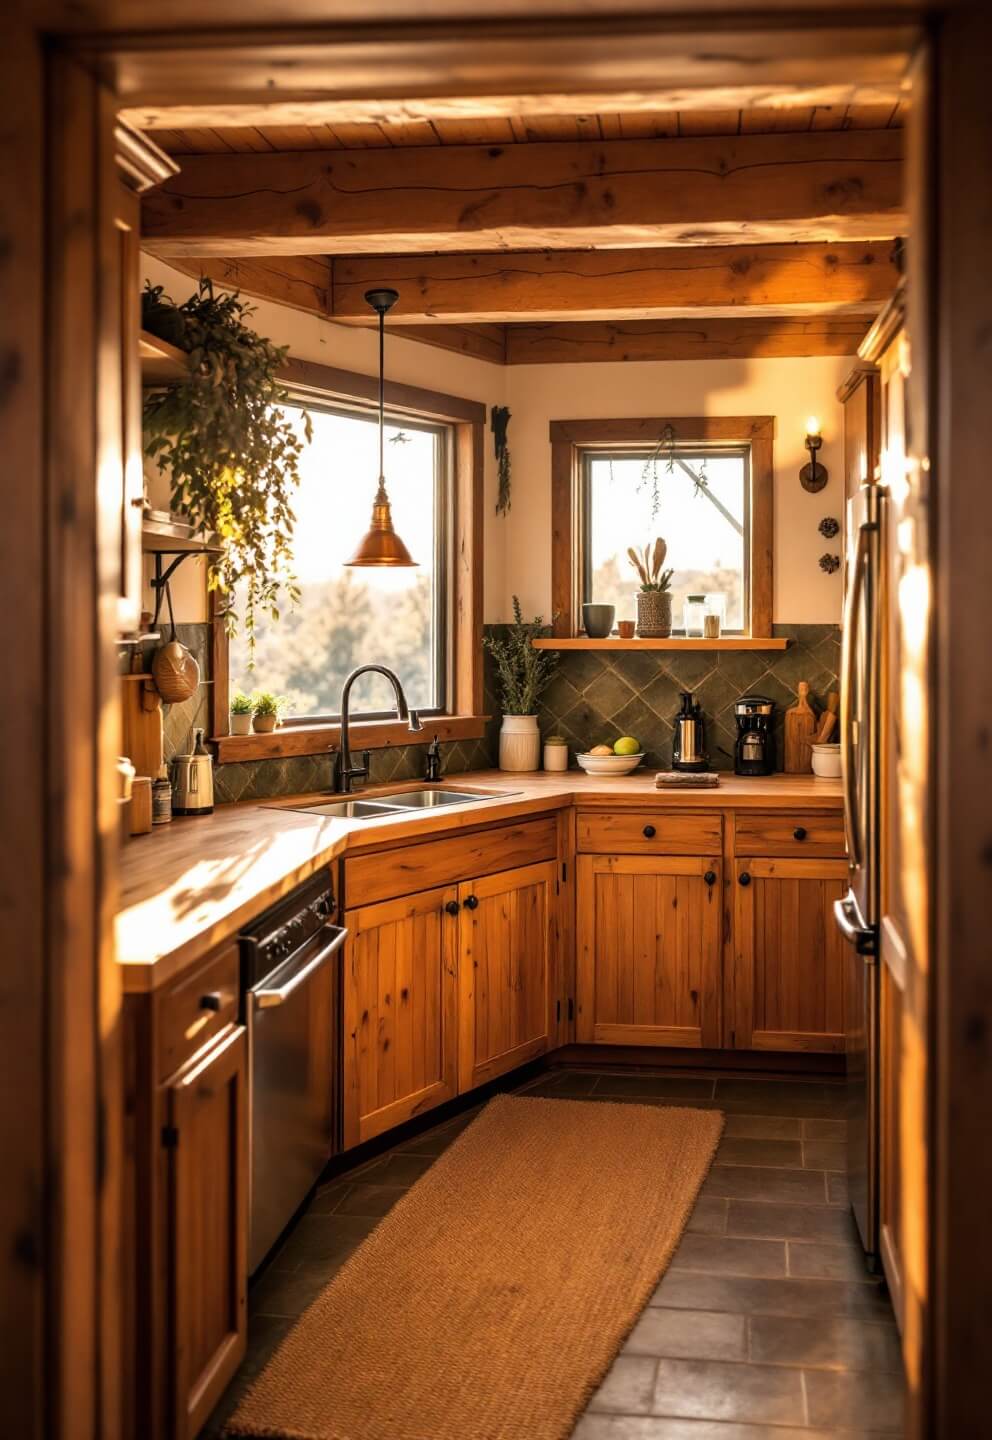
(382, 393)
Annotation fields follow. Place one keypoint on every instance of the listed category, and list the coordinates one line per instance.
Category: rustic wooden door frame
(50, 827)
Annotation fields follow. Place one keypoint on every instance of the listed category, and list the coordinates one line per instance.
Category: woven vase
(654, 614)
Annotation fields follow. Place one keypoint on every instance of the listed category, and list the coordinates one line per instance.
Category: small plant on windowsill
(523, 674)
(654, 599)
(242, 708)
(267, 711)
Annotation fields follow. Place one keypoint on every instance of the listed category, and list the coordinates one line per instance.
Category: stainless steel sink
(408, 802)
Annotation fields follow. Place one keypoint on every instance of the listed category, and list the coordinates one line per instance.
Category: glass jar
(714, 615)
(692, 616)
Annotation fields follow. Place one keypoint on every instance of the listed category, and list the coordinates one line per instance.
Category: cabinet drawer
(196, 1007)
(789, 832)
(648, 832)
(383, 874)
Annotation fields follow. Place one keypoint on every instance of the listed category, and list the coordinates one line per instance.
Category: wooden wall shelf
(172, 537)
(675, 642)
(160, 361)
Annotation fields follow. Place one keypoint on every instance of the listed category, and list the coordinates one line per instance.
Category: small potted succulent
(242, 706)
(654, 599)
(267, 711)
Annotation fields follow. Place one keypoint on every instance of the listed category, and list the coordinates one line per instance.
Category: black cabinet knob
(649, 832)
(799, 833)
(452, 907)
(471, 902)
(743, 878)
(211, 1001)
(710, 877)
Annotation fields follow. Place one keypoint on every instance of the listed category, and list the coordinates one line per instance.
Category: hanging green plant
(499, 420)
(232, 455)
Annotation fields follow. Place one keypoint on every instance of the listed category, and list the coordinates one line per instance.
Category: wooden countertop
(185, 889)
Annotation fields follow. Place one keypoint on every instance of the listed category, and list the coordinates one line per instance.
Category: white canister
(519, 743)
(826, 761)
(555, 754)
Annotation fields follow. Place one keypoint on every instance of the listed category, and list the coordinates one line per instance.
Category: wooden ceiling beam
(702, 339)
(620, 284)
(837, 185)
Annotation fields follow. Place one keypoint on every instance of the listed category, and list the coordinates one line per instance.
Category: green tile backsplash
(595, 697)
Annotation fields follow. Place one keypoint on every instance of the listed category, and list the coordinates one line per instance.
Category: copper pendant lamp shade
(381, 546)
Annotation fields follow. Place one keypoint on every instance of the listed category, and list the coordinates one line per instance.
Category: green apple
(626, 745)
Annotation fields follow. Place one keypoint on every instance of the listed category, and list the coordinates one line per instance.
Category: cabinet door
(400, 1033)
(506, 987)
(207, 1213)
(788, 955)
(648, 950)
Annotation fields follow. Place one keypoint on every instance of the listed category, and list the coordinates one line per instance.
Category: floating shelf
(676, 642)
(173, 537)
(160, 361)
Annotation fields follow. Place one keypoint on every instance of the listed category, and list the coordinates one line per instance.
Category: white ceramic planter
(241, 724)
(519, 743)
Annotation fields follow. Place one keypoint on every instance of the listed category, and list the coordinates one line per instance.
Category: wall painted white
(311, 338)
(790, 390)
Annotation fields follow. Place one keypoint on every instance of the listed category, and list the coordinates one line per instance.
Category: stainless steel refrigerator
(857, 914)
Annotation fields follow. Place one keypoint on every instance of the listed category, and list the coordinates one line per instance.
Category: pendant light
(381, 545)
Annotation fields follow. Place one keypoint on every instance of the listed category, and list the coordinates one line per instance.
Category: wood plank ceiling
(569, 294)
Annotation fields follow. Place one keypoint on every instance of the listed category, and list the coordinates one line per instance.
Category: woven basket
(654, 614)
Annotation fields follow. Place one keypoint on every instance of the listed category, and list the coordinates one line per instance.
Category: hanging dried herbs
(499, 420)
(232, 455)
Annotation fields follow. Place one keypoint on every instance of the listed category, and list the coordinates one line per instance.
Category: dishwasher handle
(267, 996)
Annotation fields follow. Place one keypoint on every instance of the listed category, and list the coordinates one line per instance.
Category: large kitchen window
(698, 499)
(348, 617)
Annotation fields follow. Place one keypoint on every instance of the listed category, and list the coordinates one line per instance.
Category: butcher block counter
(186, 889)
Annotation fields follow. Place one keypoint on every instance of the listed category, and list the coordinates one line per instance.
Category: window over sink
(347, 617)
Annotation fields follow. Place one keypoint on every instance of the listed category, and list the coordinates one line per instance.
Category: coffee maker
(754, 749)
(689, 743)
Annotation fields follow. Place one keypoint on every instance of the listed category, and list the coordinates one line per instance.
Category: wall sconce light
(813, 476)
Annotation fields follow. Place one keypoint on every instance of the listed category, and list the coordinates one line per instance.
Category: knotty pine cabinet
(648, 950)
(453, 984)
(788, 954)
(186, 1197)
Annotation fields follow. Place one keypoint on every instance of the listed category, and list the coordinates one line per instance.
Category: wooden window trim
(570, 437)
(465, 719)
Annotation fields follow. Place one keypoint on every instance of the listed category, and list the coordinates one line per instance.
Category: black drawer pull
(649, 832)
(799, 833)
(452, 907)
(211, 1001)
(471, 902)
(743, 878)
(710, 877)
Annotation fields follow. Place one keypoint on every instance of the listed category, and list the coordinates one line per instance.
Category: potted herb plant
(654, 599)
(231, 452)
(242, 706)
(523, 673)
(267, 711)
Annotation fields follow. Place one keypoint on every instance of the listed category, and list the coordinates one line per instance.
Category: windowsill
(365, 735)
(674, 642)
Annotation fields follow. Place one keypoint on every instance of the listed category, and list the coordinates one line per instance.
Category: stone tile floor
(767, 1323)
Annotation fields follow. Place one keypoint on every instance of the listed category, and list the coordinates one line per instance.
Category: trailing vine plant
(499, 420)
(232, 455)
(665, 453)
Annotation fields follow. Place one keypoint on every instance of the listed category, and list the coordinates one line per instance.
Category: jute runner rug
(489, 1303)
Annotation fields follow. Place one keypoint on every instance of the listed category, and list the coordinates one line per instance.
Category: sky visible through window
(352, 617)
(705, 544)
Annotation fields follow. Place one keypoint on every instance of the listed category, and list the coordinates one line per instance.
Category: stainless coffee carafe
(689, 744)
(193, 780)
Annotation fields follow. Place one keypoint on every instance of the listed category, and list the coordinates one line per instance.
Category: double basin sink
(409, 802)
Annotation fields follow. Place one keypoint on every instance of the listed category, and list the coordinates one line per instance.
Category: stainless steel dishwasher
(291, 986)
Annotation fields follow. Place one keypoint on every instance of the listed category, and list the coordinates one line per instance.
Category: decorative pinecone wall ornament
(829, 527)
(830, 563)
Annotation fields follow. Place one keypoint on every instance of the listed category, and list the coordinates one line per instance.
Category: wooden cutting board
(142, 721)
(800, 731)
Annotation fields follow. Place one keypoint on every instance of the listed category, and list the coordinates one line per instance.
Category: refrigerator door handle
(855, 591)
(862, 937)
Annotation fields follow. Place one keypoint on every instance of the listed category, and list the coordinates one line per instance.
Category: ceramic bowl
(826, 761)
(609, 764)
